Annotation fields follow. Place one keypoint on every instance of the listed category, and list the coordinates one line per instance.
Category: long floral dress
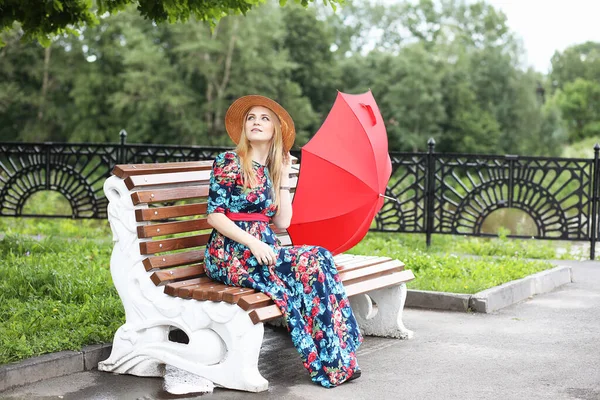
(304, 282)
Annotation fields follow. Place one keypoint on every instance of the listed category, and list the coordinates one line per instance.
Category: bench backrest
(172, 226)
(170, 202)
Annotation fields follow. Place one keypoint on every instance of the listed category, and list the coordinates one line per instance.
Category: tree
(579, 61)
(446, 69)
(40, 21)
(308, 41)
(32, 80)
(554, 133)
(471, 126)
(575, 83)
(19, 85)
(205, 57)
(262, 65)
(580, 104)
(411, 97)
(239, 56)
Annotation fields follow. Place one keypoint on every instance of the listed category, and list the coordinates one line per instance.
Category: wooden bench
(157, 216)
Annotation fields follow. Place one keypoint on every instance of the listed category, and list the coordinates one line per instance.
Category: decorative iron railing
(436, 193)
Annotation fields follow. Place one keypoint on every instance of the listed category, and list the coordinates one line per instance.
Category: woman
(248, 189)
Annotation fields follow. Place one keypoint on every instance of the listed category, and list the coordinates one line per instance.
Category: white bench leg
(223, 352)
(243, 341)
(384, 318)
(237, 369)
(123, 358)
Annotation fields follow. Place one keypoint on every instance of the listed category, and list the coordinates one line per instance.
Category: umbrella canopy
(343, 175)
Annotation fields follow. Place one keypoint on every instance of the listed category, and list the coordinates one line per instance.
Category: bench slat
(157, 246)
(142, 181)
(175, 288)
(163, 277)
(172, 194)
(203, 291)
(126, 170)
(186, 292)
(366, 263)
(379, 283)
(358, 260)
(264, 314)
(159, 213)
(234, 296)
(341, 258)
(173, 260)
(168, 228)
(371, 272)
(217, 294)
(254, 300)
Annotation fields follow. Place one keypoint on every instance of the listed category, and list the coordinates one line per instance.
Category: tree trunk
(209, 114)
(44, 91)
(218, 125)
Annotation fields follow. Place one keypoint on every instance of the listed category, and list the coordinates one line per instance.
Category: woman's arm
(262, 251)
(227, 227)
(284, 216)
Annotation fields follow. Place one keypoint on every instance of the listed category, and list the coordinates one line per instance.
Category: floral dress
(304, 282)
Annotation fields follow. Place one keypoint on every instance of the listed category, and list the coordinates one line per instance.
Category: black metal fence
(436, 193)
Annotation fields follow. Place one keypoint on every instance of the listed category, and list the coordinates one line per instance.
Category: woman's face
(259, 125)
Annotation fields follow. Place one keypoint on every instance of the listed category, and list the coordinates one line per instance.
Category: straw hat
(234, 119)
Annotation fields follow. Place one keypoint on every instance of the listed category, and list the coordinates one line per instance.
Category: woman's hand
(263, 253)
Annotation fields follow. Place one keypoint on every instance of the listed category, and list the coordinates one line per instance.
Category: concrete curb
(52, 365)
(493, 299)
(437, 300)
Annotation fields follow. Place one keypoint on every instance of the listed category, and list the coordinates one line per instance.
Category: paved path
(545, 348)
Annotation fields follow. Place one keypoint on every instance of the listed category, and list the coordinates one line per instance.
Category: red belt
(247, 217)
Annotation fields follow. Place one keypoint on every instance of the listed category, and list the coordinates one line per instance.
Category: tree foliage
(575, 81)
(578, 61)
(447, 69)
(580, 104)
(41, 20)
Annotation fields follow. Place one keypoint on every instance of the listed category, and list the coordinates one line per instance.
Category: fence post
(122, 153)
(47, 155)
(429, 192)
(594, 196)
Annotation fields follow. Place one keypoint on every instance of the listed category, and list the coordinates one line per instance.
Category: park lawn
(459, 265)
(57, 292)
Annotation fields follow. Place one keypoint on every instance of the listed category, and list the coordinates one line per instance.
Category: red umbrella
(344, 172)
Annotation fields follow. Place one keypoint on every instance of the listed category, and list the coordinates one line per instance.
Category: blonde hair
(274, 161)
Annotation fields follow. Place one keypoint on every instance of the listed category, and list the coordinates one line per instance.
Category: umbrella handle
(389, 198)
(371, 113)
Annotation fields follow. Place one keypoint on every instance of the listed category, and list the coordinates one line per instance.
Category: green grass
(58, 228)
(55, 295)
(449, 265)
(53, 203)
(581, 149)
